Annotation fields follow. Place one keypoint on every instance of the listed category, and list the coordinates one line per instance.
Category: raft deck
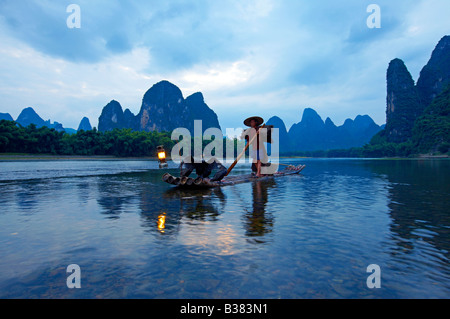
(229, 180)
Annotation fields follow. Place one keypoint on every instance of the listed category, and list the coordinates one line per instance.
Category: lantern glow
(161, 156)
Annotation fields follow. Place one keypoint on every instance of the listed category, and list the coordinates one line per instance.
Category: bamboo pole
(243, 152)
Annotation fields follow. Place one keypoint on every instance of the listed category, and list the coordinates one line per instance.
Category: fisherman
(203, 169)
(258, 152)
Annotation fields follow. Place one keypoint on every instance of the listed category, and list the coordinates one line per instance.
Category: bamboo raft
(189, 182)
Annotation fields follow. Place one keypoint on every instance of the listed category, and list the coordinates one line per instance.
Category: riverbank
(419, 156)
(45, 157)
(432, 156)
(49, 157)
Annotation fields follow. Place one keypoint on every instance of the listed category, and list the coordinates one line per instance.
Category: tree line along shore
(18, 142)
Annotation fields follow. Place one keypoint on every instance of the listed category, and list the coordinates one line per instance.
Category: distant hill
(403, 102)
(112, 117)
(418, 113)
(312, 133)
(6, 116)
(29, 116)
(85, 125)
(163, 109)
(435, 75)
(285, 141)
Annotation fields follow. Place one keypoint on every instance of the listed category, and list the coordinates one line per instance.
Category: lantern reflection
(162, 222)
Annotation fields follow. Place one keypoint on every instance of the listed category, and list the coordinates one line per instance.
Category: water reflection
(197, 204)
(84, 190)
(418, 202)
(258, 222)
(206, 205)
(136, 236)
(162, 223)
(27, 196)
(113, 195)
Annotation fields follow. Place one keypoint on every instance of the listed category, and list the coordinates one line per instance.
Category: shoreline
(48, 157)
(43, 157)
(418, 156)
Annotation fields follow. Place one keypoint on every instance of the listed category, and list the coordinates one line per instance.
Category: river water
(306, 236)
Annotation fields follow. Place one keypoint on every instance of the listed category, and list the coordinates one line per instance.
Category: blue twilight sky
(252, 57)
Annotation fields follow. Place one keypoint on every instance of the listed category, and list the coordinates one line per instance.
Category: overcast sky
(252, 57)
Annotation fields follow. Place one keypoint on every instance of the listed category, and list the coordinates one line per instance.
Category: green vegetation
(431, 132)
(15, 138)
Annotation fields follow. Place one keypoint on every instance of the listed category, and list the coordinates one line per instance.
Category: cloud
(215, 77)
(178, 33)
(44, 28)
(66, 91)
(107, 27)
(263, 56)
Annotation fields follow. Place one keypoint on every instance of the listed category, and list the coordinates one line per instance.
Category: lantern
(161, 156)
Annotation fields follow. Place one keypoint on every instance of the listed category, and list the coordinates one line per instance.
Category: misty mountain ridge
(163, 109)
(29, 116)
(312, 133)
